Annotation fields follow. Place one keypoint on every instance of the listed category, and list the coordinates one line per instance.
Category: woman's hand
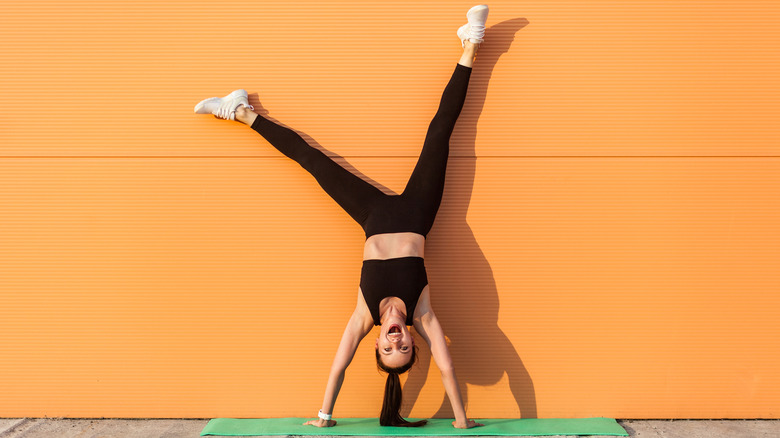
(467, 425)
(321, 423)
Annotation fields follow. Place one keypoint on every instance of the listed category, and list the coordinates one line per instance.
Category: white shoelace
(477, 32)
(226, 111)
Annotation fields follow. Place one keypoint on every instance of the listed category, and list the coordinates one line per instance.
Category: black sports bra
(402, 277)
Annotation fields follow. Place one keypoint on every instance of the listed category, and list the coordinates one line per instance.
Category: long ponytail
(391, 406)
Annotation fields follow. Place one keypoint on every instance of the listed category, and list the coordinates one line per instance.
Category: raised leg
(352, 193)
(426, 184)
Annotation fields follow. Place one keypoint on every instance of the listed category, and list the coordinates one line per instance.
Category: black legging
(415, 208)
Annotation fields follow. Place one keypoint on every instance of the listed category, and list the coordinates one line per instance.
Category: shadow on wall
(471, 304)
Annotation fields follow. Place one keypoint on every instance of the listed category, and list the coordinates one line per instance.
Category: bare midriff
(394, 245)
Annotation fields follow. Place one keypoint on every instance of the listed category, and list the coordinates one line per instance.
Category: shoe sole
(202, 103)
(475, 9)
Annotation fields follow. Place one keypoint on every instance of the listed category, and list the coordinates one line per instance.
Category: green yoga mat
(435, 427)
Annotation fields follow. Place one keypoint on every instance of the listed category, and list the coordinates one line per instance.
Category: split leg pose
(393, 292)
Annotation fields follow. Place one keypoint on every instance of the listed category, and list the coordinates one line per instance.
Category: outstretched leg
(426, 184)
(351, 192)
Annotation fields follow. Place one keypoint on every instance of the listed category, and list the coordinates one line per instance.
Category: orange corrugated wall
(607, 245)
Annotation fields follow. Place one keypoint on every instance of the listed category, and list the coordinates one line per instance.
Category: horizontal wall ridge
(385, 156)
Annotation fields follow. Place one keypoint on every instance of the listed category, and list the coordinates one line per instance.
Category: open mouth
(395, 329)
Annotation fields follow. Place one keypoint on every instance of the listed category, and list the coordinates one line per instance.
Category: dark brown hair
(391, 407)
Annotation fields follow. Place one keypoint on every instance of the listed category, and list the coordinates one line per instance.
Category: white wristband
(325, 417)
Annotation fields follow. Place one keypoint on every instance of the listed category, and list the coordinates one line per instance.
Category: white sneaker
(224, 107)
(474, 30)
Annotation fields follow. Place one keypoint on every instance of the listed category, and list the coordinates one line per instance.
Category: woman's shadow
(468, 308)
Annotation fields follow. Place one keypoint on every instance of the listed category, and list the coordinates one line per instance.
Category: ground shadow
(470, 305)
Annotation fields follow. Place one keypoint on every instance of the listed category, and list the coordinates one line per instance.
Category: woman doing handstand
(394, 290)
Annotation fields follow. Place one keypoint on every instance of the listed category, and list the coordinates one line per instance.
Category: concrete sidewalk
(176, 428)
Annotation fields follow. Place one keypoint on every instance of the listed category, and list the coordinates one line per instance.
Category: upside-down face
(395, 344)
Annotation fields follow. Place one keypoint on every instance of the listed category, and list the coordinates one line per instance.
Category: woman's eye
(387, 350)
(405, 348)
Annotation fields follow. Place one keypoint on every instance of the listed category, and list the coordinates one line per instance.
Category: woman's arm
(355, 331)
(430, 330)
